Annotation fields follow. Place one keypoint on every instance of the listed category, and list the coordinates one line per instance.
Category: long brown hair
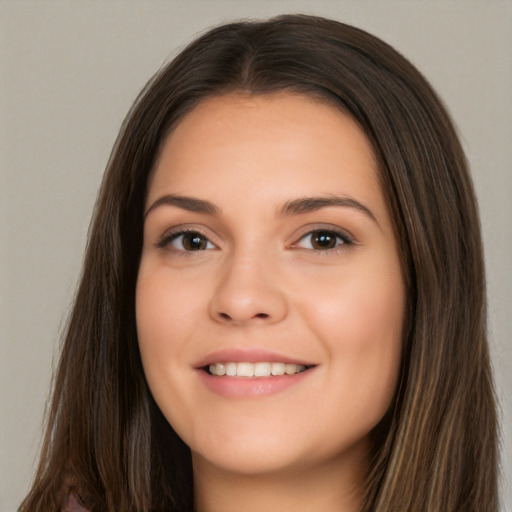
(435, 450)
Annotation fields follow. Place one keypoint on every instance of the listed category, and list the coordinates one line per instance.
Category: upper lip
(239, 355)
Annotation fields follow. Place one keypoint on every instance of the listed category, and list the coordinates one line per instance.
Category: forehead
(285, 143)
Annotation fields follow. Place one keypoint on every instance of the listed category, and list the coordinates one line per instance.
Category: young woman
(283, 303)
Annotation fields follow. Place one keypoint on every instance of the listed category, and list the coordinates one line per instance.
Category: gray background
(69, 71)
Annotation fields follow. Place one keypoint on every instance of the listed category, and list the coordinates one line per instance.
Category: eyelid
(343, 233)
(347, 240)
(172, 234)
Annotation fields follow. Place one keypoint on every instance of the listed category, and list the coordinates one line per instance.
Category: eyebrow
(311, 204)
(294, 207)
(191, 204)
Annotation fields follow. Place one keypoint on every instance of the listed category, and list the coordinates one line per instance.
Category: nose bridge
(248, 288)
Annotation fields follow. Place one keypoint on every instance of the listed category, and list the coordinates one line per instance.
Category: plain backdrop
(70, 70)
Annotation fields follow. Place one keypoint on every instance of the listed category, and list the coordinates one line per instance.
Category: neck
(333, 487)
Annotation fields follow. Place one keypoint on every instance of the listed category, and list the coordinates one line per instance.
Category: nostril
(225, 316)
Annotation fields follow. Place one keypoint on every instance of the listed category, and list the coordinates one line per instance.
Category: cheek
(164, 328)
(164, 316)
(360, 324)
(161, 326)
(361, 306)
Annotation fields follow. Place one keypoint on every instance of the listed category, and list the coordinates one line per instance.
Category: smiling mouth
(254, 370)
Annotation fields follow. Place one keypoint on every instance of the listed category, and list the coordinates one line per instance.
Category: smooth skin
(255, 265)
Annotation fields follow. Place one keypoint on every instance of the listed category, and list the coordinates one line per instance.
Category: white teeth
(277, 368)
(220, 369)
(245, 370)
(263, 369)
(230, 369)
(290, 369)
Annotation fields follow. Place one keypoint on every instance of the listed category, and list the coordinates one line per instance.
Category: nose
(248, 292)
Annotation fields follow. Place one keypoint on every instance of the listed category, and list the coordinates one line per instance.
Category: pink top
(73, 505)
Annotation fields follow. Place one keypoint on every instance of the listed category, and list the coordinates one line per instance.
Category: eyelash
(343, 240)
(168, 238)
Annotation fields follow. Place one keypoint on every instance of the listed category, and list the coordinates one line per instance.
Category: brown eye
(324, 240)
(194, 242)
(188, 241)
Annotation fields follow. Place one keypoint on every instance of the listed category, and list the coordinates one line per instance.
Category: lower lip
(250, 386)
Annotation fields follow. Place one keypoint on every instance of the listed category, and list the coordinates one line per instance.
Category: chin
(267, 449)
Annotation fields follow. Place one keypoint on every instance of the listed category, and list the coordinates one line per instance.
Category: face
(269, 298)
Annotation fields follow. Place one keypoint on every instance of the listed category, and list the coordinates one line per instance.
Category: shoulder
(72, 504)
